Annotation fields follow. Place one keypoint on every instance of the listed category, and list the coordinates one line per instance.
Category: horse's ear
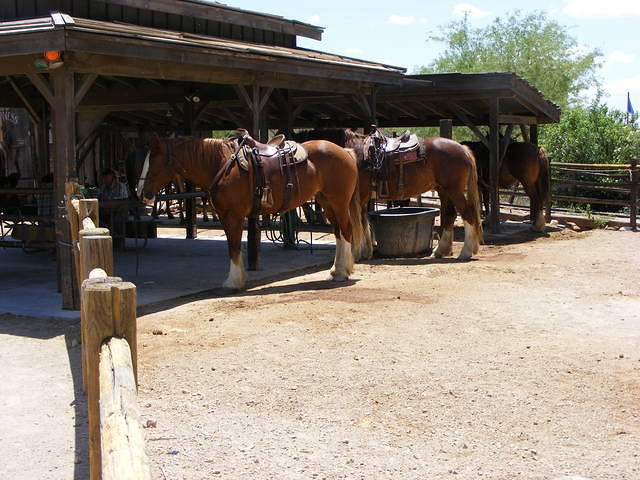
(153, 141)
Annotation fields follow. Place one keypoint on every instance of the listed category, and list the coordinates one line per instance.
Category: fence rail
(572, 177)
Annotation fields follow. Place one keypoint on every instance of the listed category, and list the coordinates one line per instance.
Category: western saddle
(382, 154)
(276, 157)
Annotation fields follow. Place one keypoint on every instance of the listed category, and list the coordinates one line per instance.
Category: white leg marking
(343, 263)
(445, 244)
(237, 277)
(470, 242)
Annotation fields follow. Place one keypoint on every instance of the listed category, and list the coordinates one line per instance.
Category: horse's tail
(356, 218)
(542, 184)
(473, 194)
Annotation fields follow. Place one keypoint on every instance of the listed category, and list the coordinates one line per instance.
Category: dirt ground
(523, 363)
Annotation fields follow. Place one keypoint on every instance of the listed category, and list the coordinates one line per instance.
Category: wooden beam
(517, 119)
(33, 115)
(64, 128)
(494, 165)
(86, 84)
(469, 124)
(42, 86)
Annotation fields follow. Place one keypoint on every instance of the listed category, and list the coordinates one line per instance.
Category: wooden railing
(109, 349)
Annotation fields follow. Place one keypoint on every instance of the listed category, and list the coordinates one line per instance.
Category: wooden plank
(122, 438)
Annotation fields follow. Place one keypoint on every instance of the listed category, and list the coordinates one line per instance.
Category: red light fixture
(52, 55)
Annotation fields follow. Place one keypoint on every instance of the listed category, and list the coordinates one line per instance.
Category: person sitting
(114, 216)
(111, 187)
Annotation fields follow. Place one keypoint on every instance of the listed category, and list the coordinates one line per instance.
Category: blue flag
(629, 106)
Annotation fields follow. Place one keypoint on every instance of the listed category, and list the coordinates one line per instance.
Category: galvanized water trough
(404, 231)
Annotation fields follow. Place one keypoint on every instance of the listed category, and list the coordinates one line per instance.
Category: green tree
(531, 45)
(592, 134)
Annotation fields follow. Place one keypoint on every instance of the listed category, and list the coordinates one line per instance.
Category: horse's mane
(202, 150)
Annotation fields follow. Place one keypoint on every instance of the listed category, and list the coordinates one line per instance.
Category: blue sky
(396, 32)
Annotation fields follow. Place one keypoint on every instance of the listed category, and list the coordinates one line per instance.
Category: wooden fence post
(108, 310)
(633, 210)
(121, 436)
(96, 251)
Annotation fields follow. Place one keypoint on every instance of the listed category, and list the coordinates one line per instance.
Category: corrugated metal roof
(58, 21)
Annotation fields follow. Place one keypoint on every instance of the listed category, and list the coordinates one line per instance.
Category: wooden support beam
(494, 165)
(446, 128)
(256, 102)
(64, 127)
(43, 86)
(190, 219)
(86, 84)
(469, 124)
(33, 115)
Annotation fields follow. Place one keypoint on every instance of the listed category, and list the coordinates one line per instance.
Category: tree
(593, 134)
(538, 49)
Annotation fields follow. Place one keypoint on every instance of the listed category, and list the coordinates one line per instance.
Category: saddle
(381, 154)
(277, 157)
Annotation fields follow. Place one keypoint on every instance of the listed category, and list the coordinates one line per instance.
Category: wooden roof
(132, 50)
(209, 10)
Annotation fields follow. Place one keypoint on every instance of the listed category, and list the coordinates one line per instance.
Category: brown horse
(523, 163)
(329, 172)
(447, 167)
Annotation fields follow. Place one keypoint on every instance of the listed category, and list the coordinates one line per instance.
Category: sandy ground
(523, 363)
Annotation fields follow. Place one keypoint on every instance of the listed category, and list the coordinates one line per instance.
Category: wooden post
(190, 219)
(64, 128)
(494, 165)
(446, 128)
(633, 210)
(72, 190)
(121, 436)
(108, 310)
(95, 251)
(256, 104)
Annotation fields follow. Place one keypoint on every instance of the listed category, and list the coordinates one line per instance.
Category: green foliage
(538, 49)
(593, 134)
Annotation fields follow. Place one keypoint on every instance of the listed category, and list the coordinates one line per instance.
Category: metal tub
(404, 231)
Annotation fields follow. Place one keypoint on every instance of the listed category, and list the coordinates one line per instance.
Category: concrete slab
(168, 267)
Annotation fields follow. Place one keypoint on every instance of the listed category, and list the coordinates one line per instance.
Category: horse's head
(158, 169)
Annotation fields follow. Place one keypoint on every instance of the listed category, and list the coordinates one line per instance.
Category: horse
(323, 169)
(524, 163)
(446, 166)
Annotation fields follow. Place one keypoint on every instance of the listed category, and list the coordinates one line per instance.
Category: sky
(396, 33)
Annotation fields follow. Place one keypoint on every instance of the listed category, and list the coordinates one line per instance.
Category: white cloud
(618, 56)
(313, 19)
(598, 8)
(471, 10)
(400, 20)
(619, 88)
(423, 20)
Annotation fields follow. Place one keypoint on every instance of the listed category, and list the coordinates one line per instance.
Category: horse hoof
(464, 257)
(336, 277)
(232, 287)
(438, 254)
